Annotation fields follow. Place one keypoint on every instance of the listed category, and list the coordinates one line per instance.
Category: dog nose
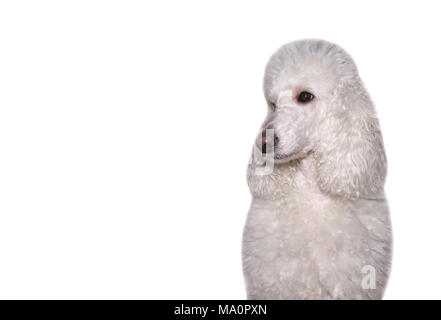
(265, 142)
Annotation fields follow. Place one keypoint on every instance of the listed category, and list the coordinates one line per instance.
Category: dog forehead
(313, 63)
(315, 79)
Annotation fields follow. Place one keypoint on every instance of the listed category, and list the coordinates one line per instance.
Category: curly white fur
(321, 215)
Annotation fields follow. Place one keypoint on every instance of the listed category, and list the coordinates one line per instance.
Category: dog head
(317, 105)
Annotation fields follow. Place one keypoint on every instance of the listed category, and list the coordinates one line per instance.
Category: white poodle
(318, 225)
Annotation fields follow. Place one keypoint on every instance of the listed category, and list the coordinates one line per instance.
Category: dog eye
(305, 97)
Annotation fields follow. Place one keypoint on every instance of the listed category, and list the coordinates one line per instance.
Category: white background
(126, 127)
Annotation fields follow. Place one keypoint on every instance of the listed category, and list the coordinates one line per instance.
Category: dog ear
(350, 157)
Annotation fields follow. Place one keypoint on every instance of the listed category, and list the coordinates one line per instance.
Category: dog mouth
(281, 158)
(270, 154)
(269, 151)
